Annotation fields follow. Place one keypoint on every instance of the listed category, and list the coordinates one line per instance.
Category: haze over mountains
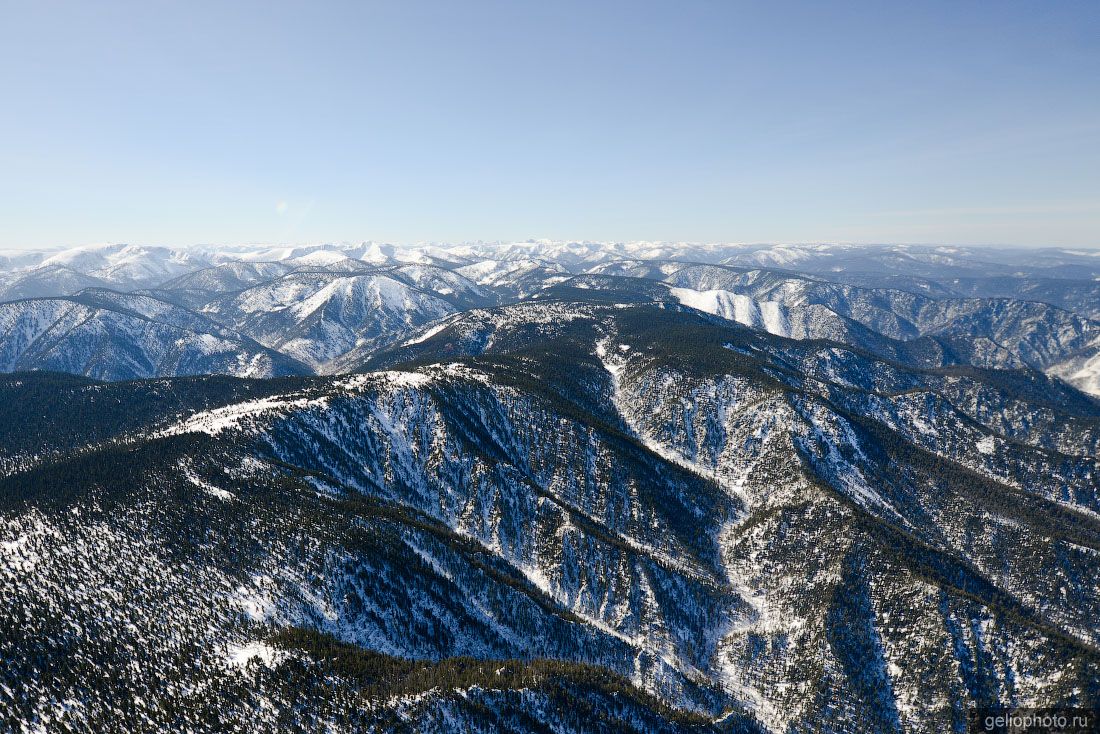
(564, 487)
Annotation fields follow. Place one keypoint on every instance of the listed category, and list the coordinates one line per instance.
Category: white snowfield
(768, 315)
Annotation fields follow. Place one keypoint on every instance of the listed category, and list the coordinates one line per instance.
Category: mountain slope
(514, 278)
(756, 531)
(115, 336)
(982, 332)
(562, 487)
(198, 288)
(317, 317)
(269, 529)
(47, 281)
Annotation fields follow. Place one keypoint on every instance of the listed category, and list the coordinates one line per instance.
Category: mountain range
(547, 486)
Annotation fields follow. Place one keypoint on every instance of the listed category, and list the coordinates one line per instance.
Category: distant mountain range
(567, 487)
(324, 307)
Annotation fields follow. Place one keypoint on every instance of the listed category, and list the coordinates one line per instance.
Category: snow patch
(214, 422)
(206, 486)
(426, 335)
(767, 315)
(241, 655)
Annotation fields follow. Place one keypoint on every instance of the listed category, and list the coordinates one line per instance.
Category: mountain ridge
(588, 507)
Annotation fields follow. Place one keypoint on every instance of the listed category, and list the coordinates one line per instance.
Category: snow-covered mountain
(997, 332)
(985, 306)
(199, 287)
(710, 526)
(316, 317)
(115, 336)
(568, 487)
(516, 278)
(47, 281)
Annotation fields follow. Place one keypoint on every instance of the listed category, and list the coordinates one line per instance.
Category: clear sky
(236, 121)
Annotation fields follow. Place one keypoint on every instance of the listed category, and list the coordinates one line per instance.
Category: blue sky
(198, 122)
